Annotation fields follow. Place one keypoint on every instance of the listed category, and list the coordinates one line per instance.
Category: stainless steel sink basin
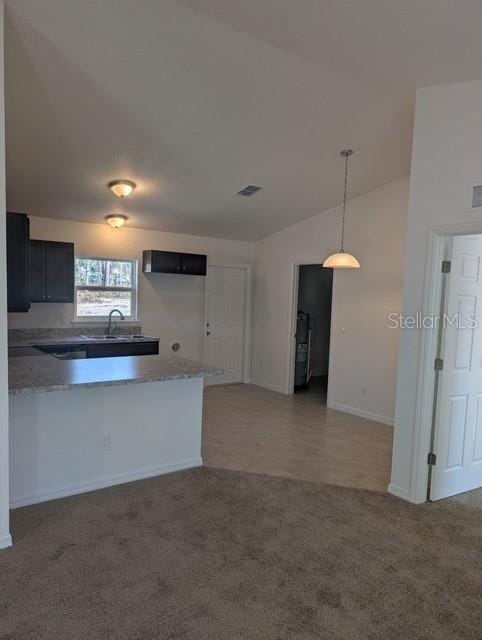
(103, 337)
(129, 336)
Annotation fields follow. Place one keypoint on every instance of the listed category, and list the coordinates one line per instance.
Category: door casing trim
(248, 314)
(432, 289)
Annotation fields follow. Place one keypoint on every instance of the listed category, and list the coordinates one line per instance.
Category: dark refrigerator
(302, 352)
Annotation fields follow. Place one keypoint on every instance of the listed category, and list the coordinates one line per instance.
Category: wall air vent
(249, 190)
(477, 196)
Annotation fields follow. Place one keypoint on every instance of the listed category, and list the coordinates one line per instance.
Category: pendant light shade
(342, 259)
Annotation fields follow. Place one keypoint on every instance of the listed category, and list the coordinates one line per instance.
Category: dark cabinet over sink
(52, 271)
(193, 264)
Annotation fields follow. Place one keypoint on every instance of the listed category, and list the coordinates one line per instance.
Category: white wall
(170, 306)
(366, 354)
(5, 539)
(446, 163)
(98, 445)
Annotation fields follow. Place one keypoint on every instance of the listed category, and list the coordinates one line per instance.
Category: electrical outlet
(105, 442)
(364, 391)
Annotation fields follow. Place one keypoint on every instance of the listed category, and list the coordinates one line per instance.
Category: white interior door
(224, 333)
(458, 427)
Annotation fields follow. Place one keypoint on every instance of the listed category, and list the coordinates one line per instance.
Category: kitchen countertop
(38, 374)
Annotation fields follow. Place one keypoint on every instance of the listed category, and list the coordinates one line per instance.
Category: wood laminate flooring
(247, 428)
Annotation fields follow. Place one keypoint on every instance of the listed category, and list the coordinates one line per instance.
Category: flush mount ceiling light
(342, 259)
(116, 220)
(122, 188)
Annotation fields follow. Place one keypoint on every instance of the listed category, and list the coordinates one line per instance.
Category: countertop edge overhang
(42, 374)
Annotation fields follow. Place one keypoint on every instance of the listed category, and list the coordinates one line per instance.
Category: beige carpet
(220, 555)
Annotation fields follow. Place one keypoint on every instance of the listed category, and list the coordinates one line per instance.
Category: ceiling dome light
(116, 220)
(122, 188)
(342, 259)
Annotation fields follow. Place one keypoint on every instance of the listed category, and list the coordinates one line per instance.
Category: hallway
(318, 387)
(247, 428)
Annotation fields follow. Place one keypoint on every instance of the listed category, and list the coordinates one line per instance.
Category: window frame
(134, 291)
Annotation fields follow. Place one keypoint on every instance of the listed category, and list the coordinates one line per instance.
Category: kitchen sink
(130, 336)
(104, 337)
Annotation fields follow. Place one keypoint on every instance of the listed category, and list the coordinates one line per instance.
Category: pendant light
(342, 259)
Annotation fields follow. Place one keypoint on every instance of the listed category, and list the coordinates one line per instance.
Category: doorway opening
(312, 334)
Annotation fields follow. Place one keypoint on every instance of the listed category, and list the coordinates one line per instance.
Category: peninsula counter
(79, 425)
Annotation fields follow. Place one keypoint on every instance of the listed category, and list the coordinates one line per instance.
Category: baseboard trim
(375, 417)
(5, 541)
(399, 492)
(266, 385)
(75, 489)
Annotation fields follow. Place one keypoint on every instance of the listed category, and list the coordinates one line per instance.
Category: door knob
(208, 333)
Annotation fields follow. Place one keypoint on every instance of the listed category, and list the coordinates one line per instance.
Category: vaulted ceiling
(194, 100)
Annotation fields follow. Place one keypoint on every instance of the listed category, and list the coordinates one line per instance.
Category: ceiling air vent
(477, 196)
(249, 190)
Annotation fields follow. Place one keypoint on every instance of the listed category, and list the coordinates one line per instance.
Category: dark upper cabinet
(18, 262)
(172, 262)
(52, 271)
(193, 264)
(59, 271)
(161, 262)
(37, 271)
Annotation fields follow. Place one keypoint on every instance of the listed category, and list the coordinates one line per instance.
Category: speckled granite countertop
(38, 374)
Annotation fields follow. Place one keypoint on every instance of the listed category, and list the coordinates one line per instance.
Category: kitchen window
(102, 285)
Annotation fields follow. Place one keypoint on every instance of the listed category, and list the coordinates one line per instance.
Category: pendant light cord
(344, 207)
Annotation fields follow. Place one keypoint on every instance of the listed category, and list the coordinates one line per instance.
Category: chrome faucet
(109, 324)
